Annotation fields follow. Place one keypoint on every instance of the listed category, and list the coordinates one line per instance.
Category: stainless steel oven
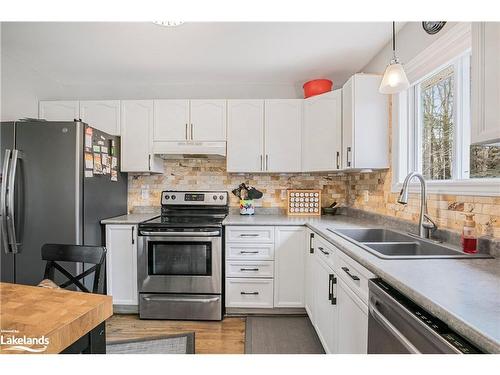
(179, 263)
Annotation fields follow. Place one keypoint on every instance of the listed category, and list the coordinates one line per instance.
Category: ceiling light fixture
(168, 23)
(394, 79)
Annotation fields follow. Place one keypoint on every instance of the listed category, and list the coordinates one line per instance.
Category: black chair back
(54, 253)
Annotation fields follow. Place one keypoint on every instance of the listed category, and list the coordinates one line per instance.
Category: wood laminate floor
(225, 337)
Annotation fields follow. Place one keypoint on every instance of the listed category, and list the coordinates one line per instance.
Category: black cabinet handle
(249, 235)
(311, 247)
(323, 251)
(248, 252)
(250, 293)
(331, 281)
(347, 156)
(346, 270)
(249, 269)
(133, 238)
(338, 160)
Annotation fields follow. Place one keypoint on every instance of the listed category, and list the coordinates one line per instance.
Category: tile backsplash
(210, 174)
(367, 191)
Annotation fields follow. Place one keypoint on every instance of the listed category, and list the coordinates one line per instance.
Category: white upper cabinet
(283, 127)
(365, 136)
(103, 115)
(289, 268)
(485, 67)
(322, 132)
(136, 141)
(171, 120)
(245, 135)
(59, 110)
(208, 120)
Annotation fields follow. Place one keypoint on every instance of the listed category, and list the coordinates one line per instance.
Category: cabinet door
(103, 115)
(283, 127)
(353, 321)
(309, 274)
(136, 126)
(325, 308)
(322, 132)
(485, 82)
(347, 122)
(289, 266)
(171, 120)
(208, 120)
(121, 263)
(59, 110)
(245, 135)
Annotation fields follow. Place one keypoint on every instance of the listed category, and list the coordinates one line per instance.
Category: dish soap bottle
(469, 237)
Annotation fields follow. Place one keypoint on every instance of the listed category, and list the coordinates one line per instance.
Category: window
(433, 123)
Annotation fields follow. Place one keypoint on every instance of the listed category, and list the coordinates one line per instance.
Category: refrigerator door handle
(11, 226)
(3, 202)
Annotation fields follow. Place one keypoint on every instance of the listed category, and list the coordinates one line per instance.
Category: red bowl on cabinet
(317, 87)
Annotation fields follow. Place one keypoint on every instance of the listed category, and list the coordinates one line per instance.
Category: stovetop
(190, 209)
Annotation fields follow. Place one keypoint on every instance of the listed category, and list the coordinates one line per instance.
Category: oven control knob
(221, 197)
(214, 197)
(167, 197)
(173, 197)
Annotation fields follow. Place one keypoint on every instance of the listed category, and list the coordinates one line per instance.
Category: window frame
(453, 46)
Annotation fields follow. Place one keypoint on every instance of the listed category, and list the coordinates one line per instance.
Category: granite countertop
(130, 218)
(464, 293)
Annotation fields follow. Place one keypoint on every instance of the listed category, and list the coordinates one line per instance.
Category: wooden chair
(54, 253)
(95, 341)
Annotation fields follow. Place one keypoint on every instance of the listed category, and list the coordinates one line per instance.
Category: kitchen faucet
(425, 223)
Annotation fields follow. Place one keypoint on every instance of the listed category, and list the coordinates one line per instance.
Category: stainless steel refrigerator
(51, 192)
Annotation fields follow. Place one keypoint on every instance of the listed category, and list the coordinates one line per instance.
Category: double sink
(390, 244)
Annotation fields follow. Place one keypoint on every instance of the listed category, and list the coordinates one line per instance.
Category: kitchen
(348, 204)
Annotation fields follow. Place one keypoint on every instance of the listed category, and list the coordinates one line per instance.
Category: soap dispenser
(469, 237)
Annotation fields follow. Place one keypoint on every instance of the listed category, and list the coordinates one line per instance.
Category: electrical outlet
(145, 192)
(366, 195)
(283, 194)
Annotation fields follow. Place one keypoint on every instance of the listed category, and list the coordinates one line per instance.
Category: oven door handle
(182, 234)
(179, 299)
(377, 315)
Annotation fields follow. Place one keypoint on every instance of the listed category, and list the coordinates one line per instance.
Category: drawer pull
(249, 235)
(346, 270)
(323, 251)
(248, 252)
(249, 269)
(250, 293)
(331, 281)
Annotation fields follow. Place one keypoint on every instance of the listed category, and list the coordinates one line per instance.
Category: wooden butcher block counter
(61, 316)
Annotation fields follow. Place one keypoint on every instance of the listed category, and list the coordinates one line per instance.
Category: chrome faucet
(425, 224)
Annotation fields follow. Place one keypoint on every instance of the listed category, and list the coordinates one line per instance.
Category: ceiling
(194, 53)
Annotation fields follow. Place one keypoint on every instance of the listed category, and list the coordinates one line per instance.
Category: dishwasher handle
(380, 318)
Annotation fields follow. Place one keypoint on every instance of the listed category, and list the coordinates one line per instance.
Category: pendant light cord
(394, 39)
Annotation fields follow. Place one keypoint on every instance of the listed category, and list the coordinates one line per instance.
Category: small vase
(247, 207)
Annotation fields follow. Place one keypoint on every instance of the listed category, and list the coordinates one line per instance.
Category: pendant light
(394, 79)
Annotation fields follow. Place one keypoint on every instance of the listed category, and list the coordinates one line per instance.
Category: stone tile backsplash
(367, 191)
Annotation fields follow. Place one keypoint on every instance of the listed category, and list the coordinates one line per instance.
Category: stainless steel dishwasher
(396, 325)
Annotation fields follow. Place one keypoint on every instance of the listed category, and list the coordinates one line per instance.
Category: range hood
(190, 150)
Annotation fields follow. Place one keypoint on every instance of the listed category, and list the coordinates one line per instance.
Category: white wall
(410, 41)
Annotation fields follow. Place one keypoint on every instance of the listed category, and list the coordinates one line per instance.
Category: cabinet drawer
(249, 293)
(242, 251)
(250, 269)
(250, 234)
(324, 250)
(354, 275)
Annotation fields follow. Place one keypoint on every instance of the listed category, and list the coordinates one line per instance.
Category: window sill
(480, 187)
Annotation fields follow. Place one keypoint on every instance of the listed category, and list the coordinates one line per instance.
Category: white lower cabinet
(309, 274)
(336, 297)
(121, 264)
(265, 266)
(353, 321)
(325, 305)
(249, 293)
(289, 266)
